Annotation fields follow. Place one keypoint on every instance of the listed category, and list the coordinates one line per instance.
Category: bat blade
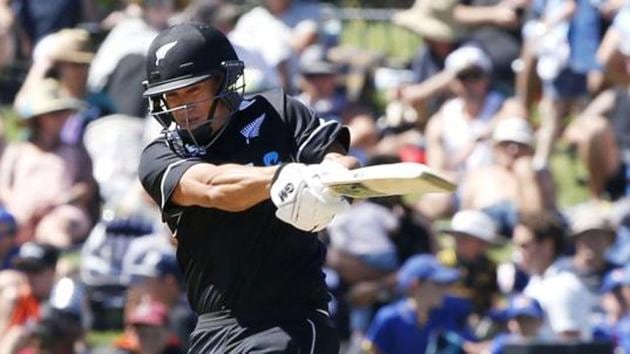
(389, 179)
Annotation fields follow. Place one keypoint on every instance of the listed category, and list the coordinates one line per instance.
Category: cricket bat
(389, 179)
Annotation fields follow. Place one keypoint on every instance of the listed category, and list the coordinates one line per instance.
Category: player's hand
(302, 199)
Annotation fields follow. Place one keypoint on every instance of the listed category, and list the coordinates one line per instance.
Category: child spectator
(408, 325)
(525, 319)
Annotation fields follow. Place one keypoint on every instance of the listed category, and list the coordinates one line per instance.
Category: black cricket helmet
(186, 54)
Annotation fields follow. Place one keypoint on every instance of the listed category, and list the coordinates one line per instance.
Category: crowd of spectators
(496, 90)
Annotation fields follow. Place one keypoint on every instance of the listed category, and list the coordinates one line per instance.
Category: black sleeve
(159, 172)
(313, 136)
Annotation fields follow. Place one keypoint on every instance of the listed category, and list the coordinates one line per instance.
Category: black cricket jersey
(249, 260)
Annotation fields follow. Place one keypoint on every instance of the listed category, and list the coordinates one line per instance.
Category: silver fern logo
(162, 51)
(252, 130)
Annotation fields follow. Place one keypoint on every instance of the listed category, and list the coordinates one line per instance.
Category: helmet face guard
(230, 93)
(184, 55)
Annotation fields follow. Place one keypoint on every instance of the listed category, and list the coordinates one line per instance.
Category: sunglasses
(471, 75)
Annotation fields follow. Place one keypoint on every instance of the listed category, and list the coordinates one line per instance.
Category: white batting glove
(302, 200)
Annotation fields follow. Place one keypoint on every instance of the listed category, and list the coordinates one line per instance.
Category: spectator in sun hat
(8, 231)
(524, 317)
(592, 233)
(473, 232)
(433, 22)
(424, 311)
(66, 56)
(615, 299)
(46, 183)
(517, 185)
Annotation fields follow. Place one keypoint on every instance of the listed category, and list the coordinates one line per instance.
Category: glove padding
(301, 198)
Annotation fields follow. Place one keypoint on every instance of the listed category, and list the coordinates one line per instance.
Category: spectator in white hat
(473, 232)
(515, 185)
(457, 134)
(592, 233)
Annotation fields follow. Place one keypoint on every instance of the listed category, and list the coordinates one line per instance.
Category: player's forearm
(227, 187)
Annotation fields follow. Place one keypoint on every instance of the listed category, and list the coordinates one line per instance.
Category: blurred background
(525, 104)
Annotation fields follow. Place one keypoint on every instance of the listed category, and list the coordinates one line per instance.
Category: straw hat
(72, 45)
(45, 97)
(431, 19)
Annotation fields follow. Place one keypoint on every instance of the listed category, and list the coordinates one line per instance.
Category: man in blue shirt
(409, 325)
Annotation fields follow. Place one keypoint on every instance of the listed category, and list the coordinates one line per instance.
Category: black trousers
(296, 331)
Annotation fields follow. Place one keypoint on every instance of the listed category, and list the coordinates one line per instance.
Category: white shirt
(565, 300)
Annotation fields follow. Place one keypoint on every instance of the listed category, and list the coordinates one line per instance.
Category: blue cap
(424, 267)
(521, 305)
(156, 264)
(615, 278)
(8, 226)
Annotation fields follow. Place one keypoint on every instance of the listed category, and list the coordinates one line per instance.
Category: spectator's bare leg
(527, 83)
(551, 112)
(535, 194)
(597, 149)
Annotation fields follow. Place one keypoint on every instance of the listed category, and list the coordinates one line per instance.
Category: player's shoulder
(287, 106)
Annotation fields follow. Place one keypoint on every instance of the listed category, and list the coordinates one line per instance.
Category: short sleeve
(160, 171)
(568, 308)
(380, 333)
(313, 135)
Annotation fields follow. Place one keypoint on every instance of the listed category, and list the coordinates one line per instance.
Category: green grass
(397, 44)
(102, 338)
(567, 171)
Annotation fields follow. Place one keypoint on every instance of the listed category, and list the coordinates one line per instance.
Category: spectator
(473, 232)
(456, 135)
(61, 330)
(36, 263)
(158, 274)
(566, 51)
(538, 241)
(433, 21)
(259, 75)
(148, 331)
(601, 132)
(46, 183)
(8, 231)
(320, 89)
(66, 56)
(592, 234)
(37, 19)
(615, 300)
(495, 26)
(525, 317)
(516, 186)
(406, 326)
(118, 66)
(293, 25)
(365, 231)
